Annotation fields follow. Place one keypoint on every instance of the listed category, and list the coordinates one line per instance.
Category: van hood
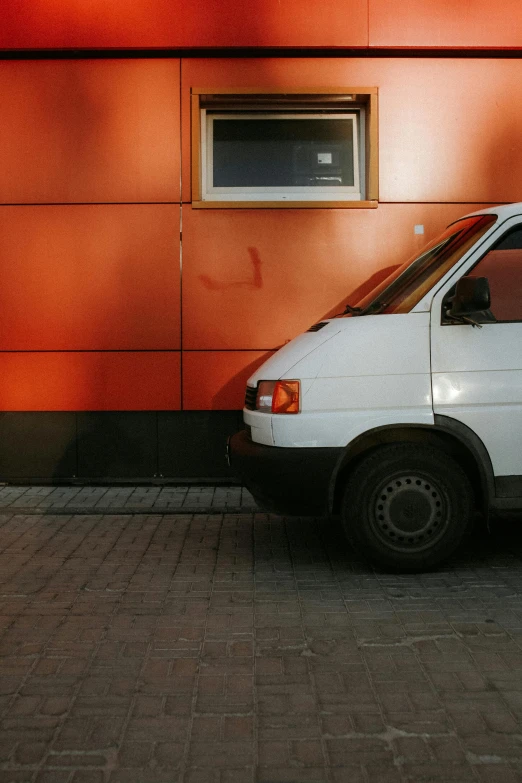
(280, 364)
(384, 344)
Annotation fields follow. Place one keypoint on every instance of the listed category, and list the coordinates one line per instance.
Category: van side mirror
(472, 295)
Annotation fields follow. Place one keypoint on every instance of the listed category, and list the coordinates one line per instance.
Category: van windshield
(405, 287)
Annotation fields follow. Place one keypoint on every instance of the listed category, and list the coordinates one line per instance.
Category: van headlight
(278, 396)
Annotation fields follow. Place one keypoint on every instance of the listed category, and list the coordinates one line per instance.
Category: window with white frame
(281, 156)
(292, 148)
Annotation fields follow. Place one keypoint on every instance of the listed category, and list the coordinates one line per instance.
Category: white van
(404, 413)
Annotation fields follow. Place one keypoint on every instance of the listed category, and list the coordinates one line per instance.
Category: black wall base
(156, 446)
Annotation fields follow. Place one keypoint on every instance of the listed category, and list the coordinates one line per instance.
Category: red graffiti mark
(212, 285)
(256, 265)
(256, 282)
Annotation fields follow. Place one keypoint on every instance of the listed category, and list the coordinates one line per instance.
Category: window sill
(285, 204)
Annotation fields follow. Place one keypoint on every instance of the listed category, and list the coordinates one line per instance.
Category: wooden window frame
(322, 97)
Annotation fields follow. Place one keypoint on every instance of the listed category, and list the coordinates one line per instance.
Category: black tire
(407, 506)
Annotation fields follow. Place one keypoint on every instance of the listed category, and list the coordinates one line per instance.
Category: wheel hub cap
(409, 512)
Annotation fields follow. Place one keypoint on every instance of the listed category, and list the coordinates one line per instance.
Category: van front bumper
(284, 480)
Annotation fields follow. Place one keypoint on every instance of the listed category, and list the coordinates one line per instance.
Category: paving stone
(244, 647)
(126, 499)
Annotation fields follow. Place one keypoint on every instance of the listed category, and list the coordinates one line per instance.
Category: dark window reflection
(283, 152)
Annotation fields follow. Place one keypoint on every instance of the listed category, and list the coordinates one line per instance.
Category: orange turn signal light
(286, 397)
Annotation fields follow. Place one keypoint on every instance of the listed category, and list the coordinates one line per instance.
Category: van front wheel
(407, 506)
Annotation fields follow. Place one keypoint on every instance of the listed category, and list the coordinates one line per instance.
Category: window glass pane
(503, 268)
(258, 152)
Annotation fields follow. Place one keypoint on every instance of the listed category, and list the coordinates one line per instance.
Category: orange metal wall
(224, 23)
(437, 23)
(90, 277)
(182, 23)
(448, 128)
(90, 235)
(89, 131)
(102, 311)
(89, 381)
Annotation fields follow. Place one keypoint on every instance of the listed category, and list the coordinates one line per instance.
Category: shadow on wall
(361, 291)
(234, 388)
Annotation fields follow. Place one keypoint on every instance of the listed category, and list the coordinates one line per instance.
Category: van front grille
(250, 398)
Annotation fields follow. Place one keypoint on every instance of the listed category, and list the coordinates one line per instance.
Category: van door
(477, 372)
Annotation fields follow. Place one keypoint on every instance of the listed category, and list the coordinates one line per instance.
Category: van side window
(503, 268)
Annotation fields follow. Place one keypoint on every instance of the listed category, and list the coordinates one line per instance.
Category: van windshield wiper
(349, 310)
(374, 307)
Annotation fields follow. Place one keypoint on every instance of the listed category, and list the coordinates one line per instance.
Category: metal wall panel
(66, 381)
(37, 445)
(117, 445)
(191, 444)
(439, 23)
(89, 130)
(216, 380)
(70, 447)
(90, 277)
(448, 128)
(182, 23)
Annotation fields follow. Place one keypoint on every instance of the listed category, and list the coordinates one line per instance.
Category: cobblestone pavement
(242, 648)
(126, 499)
